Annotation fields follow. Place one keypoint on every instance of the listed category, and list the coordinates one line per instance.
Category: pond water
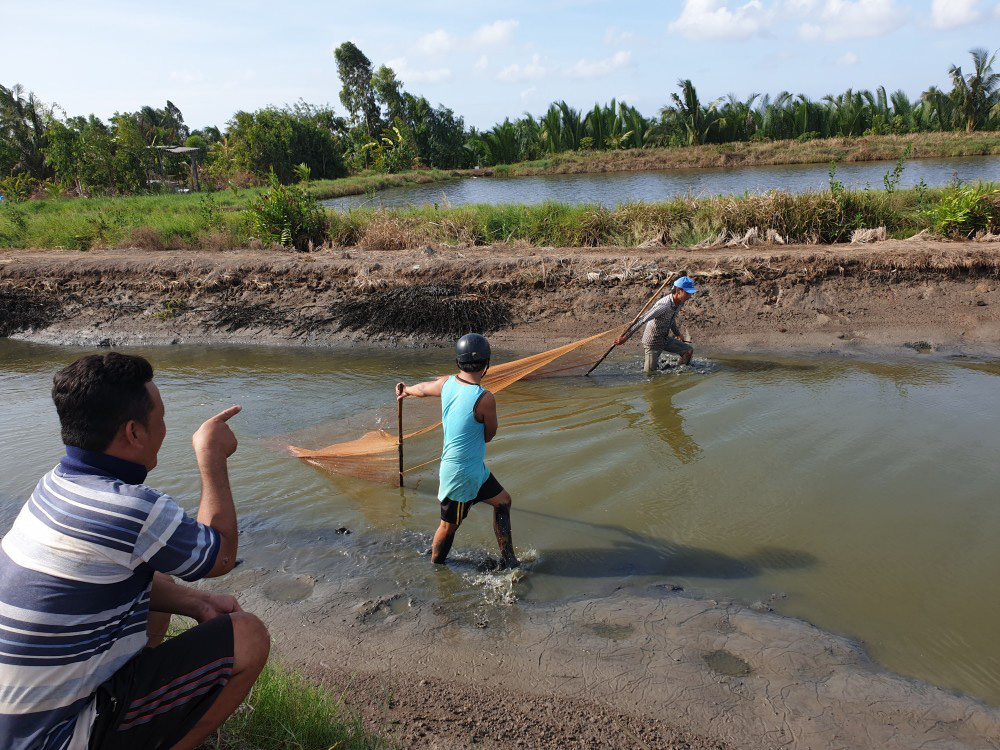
(860, 495)
(611, 189)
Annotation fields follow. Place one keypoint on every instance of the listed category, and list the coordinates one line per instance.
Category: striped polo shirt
(76, 570)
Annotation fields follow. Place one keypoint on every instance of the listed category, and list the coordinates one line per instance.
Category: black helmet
(472, 352)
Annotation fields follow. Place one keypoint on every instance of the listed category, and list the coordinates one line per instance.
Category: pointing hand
(215, 436)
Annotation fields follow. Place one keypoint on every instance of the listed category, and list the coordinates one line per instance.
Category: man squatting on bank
(661, 322)
(469, 419)
(86, 592)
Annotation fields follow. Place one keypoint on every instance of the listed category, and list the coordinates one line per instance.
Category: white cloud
(587, 69)
(529, 93)
(713, 20)
(847, 59)
(438, 42)
(482, 63)
(411, 75)
(615, 37)
(950, 14)
(810, 31)
(498, 32)
(517, 72)
(187, 76)
(848, 19)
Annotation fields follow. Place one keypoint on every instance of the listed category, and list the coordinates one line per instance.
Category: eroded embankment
(888, 294)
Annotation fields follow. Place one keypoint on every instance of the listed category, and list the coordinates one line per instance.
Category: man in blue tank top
(469, 418)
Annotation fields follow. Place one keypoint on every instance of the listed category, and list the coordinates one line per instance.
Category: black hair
(473, 366)
(99, 393)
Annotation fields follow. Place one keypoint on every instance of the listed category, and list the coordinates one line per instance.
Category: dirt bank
(896, 294)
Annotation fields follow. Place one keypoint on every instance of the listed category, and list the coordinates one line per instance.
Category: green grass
(215, 221)
(285, 712)
(809, 217)
(159, 222)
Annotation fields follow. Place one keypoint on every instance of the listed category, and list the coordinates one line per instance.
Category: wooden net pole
(399, 439)
(642, 312)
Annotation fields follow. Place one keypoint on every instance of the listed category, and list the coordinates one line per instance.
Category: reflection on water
(668, 420)
(611, 189)
(862, 491)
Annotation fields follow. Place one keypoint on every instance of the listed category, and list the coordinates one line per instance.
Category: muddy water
(859, 495)
(629, 187)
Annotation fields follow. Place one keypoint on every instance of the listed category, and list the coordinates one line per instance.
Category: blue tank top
(463, 467)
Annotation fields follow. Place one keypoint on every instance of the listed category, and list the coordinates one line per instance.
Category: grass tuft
(285, 712)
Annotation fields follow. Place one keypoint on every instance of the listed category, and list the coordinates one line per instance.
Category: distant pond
(611, 189)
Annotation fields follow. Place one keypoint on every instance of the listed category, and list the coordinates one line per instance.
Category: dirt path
(935, 295)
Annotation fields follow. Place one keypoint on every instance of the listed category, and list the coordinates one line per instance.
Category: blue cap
(685, 283)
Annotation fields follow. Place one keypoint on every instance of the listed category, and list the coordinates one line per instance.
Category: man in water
(86, 586)
(469, 418)
(661, 322)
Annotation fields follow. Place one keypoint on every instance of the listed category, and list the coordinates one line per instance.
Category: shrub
(964, 210)
(18, 187)
(287, 215)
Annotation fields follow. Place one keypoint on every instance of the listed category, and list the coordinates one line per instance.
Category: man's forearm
(170, 597)
(217, 509)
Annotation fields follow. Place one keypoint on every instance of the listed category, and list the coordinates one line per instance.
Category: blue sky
(484, 60)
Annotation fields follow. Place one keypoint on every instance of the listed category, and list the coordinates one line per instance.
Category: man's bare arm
(214, 443)
(420, 390)
(172, 598)
(486, 412)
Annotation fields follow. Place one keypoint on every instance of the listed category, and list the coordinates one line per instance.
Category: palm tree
(936, 105)
(977, 95)
(696, 120)
(23, 125)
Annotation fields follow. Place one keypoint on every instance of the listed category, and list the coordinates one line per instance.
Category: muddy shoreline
(900, 296)
(644, 667)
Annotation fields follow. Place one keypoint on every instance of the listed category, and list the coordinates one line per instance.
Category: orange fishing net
(375, 455)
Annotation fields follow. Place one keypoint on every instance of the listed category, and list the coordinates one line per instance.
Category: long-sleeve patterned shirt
(660, 322)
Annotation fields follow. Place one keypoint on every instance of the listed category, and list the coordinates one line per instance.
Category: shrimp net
(375, 454)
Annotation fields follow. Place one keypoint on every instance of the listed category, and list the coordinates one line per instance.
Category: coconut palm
(976, 95)
(687, 109)
(23, 125)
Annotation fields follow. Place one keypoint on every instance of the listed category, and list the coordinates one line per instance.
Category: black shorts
(453, 511)
(158, 697)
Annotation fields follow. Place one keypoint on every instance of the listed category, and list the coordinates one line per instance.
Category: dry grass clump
(433, 309)
(145, 238)
(388, 232)
(22, 310)
(811, 217)
(234, 316)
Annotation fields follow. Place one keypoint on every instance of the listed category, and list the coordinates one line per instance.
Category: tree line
(388, 129)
